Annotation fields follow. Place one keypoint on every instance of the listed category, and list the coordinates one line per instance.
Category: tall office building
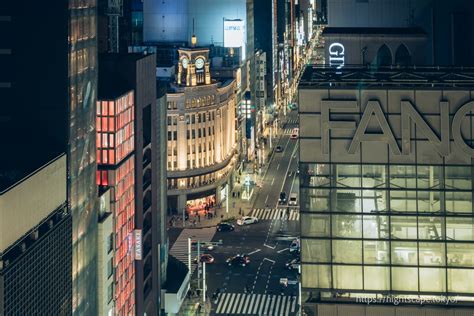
(35, 243)
(386, 189)
(116, 170)
(53, 94)
(137, 72)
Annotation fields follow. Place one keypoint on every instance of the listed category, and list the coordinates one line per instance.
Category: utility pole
(227, 198)
(184, 217)
(189, 254)
(204, 287)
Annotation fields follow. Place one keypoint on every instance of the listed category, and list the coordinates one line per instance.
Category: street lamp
(227, 198)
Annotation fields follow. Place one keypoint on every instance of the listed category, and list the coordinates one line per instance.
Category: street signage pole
(189, 254)
(204, 282)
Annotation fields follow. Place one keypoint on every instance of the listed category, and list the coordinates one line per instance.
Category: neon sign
(336, 55)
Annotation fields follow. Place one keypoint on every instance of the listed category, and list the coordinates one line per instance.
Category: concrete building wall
(427, 102)
(362, 49)
(42, 191)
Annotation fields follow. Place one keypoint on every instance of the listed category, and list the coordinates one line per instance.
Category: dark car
(222, 227)
(282, 198)
(279, 149)
(238, 260)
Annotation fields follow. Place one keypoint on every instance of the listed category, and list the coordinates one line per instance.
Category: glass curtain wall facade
(82, 189)
(388, 228)
(386, 185)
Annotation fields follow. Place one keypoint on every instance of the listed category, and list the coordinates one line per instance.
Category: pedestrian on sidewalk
(199, 218)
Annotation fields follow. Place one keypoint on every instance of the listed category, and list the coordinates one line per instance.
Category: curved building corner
(201, 134)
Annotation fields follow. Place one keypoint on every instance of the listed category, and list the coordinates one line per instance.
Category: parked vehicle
(222, 227)
(246, 220)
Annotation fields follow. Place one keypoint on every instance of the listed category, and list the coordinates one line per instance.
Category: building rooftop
(317, 76)
(373, 31)
(176, 272)
(111, 87)
(173, 87)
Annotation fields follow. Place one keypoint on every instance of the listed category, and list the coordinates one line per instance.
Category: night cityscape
(237, 157)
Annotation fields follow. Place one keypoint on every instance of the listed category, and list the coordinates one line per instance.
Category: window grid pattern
(115, 129)
(47, 264)
(388, 228)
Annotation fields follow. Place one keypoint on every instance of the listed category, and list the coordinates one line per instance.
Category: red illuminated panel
(115, 142)
(115, 129)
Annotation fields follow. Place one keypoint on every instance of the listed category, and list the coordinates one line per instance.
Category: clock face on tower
(199, 63)
(184, 62)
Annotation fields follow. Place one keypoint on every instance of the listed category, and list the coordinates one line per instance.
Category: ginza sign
(409, 114)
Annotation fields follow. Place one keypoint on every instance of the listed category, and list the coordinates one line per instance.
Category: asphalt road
(276, 178)
(260, 280)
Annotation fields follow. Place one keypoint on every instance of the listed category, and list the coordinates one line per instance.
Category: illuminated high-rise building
(116, 159)
(201, 133)
(48, 102)
(386, 191)
(136, 72)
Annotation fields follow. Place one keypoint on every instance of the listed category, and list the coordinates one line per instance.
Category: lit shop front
(386, 187)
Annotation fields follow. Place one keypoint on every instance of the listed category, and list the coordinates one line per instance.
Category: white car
(293, 199)
(246, 220)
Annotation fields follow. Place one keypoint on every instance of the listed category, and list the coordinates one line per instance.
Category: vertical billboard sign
(138, 244)
(234, 35)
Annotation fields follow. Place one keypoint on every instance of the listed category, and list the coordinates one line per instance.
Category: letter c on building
(336, 49)
(456, 128)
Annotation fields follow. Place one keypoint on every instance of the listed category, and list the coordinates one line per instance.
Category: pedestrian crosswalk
(288, 131)
(292, 121)
(276, 213)
(256, 304)
(180, 248)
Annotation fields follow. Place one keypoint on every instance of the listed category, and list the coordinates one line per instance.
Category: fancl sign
(336, 55)
(409, 114)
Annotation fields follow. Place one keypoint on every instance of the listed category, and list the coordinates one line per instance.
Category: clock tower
(193, 67)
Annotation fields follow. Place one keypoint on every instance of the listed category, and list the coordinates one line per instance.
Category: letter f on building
(337, 106)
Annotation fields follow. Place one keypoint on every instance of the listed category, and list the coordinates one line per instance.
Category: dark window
(402, 56)
(384, 56)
